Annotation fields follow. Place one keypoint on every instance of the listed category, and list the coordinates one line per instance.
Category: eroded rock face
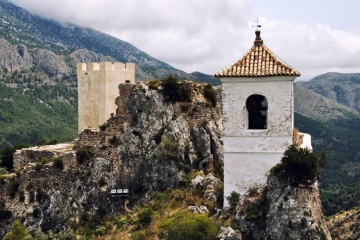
(282, 211)
(151, 146)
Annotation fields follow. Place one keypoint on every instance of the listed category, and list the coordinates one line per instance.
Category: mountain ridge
(36, 31)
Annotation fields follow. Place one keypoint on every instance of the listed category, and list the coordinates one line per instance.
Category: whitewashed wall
(250, 154)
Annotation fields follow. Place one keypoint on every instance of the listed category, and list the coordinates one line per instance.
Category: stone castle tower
(258, 108)
(98, 89)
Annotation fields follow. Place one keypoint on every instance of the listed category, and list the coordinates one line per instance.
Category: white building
(258, 108)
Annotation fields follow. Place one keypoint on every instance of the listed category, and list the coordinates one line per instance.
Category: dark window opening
(32, 197)
(127, 81)
(257, 106)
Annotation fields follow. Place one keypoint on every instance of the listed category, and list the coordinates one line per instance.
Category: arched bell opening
(257, 107)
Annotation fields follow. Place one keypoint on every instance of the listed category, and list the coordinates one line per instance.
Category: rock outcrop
(281, 210)
(18, 57)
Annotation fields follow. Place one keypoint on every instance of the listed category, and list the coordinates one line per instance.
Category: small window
(127, 81)
(257, 106)
(32, 197)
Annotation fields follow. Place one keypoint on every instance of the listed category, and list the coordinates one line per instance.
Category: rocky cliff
(153, 143)
(281, 210)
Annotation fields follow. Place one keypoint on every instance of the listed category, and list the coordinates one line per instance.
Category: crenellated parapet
(106, 66)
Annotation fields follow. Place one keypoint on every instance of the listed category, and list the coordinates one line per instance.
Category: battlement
(105, 66)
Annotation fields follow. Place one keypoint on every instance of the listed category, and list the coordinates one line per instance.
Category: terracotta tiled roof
(259, 61)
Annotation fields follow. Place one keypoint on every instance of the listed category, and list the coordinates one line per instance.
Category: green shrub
(170, 147)
(13, 187)
(210, 94)
(174, 91)
(17, 232)
(58, 163)
(145, 216)
(120, 221)
(100, 231)
(83, 154)
(3, 171)
(299, 165)
(253, 192)
(186, 225)
(53, 141)
(102, 127)
(6, 156)
(139, 235)
(44, 160)
(233, 199)
(154, 84)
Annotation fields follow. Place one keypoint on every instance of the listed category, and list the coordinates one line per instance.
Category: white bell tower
(258, 107)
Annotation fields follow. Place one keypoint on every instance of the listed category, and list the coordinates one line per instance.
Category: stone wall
(34, 154)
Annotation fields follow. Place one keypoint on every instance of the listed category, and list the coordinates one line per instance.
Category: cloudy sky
(313, 36)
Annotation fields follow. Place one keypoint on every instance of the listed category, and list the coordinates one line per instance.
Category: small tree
(233, 200)
(299, 165)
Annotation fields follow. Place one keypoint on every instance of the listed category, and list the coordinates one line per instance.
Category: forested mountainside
(326, 107)
(20, 27)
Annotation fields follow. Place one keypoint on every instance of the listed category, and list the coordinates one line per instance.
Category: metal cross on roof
(257, 24)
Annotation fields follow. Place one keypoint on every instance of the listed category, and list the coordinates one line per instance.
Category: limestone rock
(282, 211)
(210, 184)
(227, 233)
(198, 181)
(198, 209)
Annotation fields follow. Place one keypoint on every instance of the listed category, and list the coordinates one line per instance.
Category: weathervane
(257, 24)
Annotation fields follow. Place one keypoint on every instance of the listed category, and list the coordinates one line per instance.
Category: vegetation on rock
(299, 165)
(210, 94)
(175, 91)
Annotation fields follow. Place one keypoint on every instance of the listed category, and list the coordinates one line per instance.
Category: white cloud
(208, 35)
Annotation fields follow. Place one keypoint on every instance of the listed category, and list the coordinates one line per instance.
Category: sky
(312, 36)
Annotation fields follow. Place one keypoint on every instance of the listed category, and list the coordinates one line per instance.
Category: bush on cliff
(185, 225)
(299, 165)
(210, 94)
(174, 91)
(83, 154)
